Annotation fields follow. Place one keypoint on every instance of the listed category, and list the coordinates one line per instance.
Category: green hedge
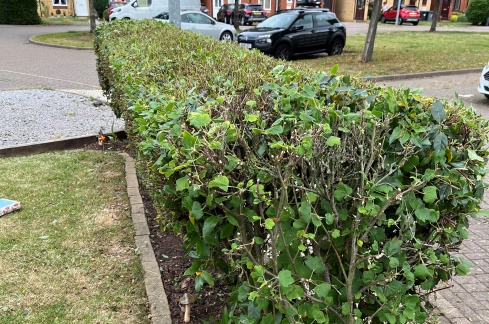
(331, 199)
(477, 11)
(19, 12)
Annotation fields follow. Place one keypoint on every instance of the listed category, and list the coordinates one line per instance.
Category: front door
(360, 10)
(81, 8)
(445, 9)
(216, 7)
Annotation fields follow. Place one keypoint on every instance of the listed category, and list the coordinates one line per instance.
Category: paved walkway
(468, 300)
(28, 65)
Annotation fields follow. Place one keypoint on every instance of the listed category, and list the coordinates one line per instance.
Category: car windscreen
(278, 21)
(412, 8)
(231, 7)
(164, 15)
(255, 8)
(115, 5)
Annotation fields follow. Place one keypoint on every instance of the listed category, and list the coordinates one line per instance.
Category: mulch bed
(172, 260)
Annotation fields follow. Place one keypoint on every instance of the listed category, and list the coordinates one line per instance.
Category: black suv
(297, 32)
(251, 12)
(226, 14)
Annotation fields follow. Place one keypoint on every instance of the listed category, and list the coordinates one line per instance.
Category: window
(196, 18)
(425, 1)
(304, 20)
(322, 20)
(267, 4)
(144, 3)
(164, 16)
(59, 2)
(456, 5)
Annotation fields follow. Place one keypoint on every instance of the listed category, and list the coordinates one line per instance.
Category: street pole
(398, 8)
(174, 11)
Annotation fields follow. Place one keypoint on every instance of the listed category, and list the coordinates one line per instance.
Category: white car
(201, 23)
(484, 85)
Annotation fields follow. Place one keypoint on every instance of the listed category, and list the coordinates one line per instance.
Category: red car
(406, 14)
(115, 4)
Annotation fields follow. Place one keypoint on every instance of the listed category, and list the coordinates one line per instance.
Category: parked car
(201, 23)
(297, 32)
(406, 14)
(136, 9)
(204, 9)
(251, 12)
(115, 4)
(484, 84)
(225, 14)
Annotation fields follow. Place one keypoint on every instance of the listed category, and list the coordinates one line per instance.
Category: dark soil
(168, 248)
(116, 146)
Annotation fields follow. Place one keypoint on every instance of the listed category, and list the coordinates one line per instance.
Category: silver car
(484, 82)
(200, 23)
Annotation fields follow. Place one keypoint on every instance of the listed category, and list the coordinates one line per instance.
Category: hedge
(19, 12)
(329, 198)
(477, 11)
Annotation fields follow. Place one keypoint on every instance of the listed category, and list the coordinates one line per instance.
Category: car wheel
(242, 23)
(415, 23)
(487, 95)
(382, 20)
(399, 21)
(336, 47)
(226, 37)
(283, 52)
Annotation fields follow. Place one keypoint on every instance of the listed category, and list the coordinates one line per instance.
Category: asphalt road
(27, 65)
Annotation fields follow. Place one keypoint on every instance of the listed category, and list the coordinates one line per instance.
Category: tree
(372, 31)
(236, 14)
(478, 11)
(19, 12)
(93, 22)
(435, 16)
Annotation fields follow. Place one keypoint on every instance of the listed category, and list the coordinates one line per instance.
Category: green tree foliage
(100, 7)
(478, 11)
(331, 199)
(19, 12)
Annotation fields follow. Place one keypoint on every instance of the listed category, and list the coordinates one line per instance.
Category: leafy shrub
(477, 11)
(333, 199)
(19, 12)
(64, 13)
(457, 13)
(453, 18)
(58, 12)
(462, 19)
(106, 14)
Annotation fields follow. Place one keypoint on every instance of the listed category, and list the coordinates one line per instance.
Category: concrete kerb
(160, 310)
(422, 75)
(59, 46)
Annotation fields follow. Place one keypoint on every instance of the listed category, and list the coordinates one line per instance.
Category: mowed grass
(68, 256)
(400, 52)
(446, 24)
(71, 38)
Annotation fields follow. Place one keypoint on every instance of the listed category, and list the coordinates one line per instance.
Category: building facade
(72, 8)
(347, 10)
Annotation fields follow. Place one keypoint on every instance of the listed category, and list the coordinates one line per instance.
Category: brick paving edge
(60, 46)
(160, 310)
(422, 75)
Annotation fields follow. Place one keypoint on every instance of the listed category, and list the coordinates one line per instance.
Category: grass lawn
(71, 38)
(68, 256)
(446, 24)
(400, 52)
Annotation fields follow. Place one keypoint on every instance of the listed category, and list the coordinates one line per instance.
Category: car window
(115, 5)
(323, 20)
(223, 8)
(241, 6)
(255, 8)
(412, 8)
(144, 3)
(184, 19)
(163, 15)
(393, 8)
(304, 20)
(196, 18)
(230, 7)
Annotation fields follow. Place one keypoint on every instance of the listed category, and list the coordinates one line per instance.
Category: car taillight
(265, 12)
(247, 11)
(229, 11)
(200, 9)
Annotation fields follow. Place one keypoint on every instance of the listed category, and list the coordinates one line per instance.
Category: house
(78, 8)
(346, 10)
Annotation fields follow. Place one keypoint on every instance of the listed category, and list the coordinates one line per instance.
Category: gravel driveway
(30, 116)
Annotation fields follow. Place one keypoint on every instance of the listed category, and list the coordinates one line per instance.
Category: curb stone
(160, 311)
(421, 75)
(59, 46)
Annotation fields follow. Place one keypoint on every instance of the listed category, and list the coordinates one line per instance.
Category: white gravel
(30, 116)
